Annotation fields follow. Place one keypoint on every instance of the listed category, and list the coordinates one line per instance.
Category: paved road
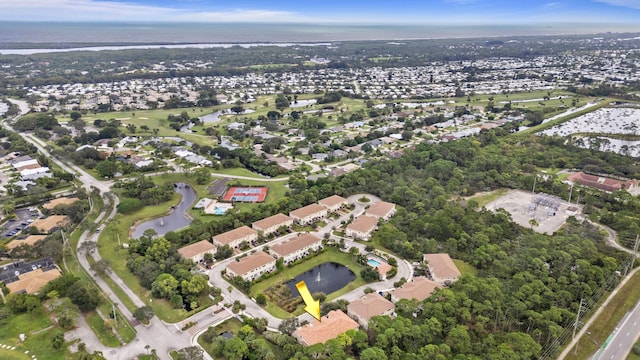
(158, 335)
(620, 342)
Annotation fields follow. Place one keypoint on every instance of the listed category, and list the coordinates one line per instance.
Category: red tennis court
(246, 194)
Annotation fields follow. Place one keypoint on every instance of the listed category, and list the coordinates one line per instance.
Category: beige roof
(235, 234)
(441, 265)
(275, 220)
(370, 305)
(380, 208)
(198, 248)
(297, 243)
(419, 288)
(45, 225)
(30, 240)
(332, 200)
(363, 223)
(305, 211)
(32, 281)
(318, 332)
(60, 201)
(250, 262)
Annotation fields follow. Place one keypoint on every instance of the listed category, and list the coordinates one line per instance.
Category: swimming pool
(374, 263)
(220, 210)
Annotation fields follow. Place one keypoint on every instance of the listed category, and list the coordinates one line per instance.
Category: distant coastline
(36, 37)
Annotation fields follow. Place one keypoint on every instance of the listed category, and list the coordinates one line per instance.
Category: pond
(214, 117)
(176, 219)
(326, 278)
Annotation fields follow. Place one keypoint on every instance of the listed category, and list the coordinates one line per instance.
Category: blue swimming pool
(220, 210)
(374, 263)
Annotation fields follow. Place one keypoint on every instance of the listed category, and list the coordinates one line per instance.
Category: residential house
(195, 252)
(51, 223)
(319, 332)
(33, 174)
(252, 267)
(419, 288)
(362, 227)
(235, 237)
(368, 306)
(309, 214)
(271, 224)
(443, 270)
(382, 209)
(59, 201)
(333, 203)
(296, 248)
(29, 240)
(31, 282)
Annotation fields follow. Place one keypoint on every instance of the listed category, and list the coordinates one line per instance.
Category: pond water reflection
(176, 219)
(326, 278)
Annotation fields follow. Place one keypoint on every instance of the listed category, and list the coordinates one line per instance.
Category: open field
(38, 344)
(518, 203)
(465, 268)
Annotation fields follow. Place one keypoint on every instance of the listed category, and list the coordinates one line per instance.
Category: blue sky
(423, 12)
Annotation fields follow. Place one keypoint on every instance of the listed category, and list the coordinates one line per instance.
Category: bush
(129, 205)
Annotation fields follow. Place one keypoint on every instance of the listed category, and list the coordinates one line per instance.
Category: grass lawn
(126, 332)
(233, 325)
(465, 268)
(602, 327)
(329, 255)
(13, 355)
(484, 198)
(107, 337)
(38, 344)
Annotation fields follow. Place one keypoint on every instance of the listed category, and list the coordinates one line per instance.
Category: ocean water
(65, 34)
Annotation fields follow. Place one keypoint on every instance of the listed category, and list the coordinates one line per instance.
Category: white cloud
(633, 4)
(96, 10)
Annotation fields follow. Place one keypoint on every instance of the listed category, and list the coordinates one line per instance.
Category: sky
(392, 12)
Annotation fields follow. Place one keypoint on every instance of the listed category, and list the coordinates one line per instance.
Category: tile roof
(305, 211)
(235, 234)
(419, 288)
(332, 201)
(50, 222)
(192, 250)
(363, 223)
(63, 200)
(32, 281)
(380, 208)
(318, 332)
(250, 262)
(297, 243)
(602, 183)
(370, 305)
(441, 265)
(270, 221)
(30, 240)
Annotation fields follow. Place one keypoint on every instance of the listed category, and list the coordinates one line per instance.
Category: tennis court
(246, 194)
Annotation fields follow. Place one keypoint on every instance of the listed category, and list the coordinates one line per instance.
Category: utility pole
(534, 184)
(570, 193)
(115, 318)
(635, 251)
(575, 326)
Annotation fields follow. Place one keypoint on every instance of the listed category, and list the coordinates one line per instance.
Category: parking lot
(24, 217)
